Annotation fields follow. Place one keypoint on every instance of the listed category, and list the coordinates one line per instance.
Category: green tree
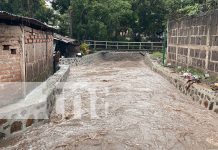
(29, 8)
(100, 19)
(150, 16)
(109, 19)
(61, 5)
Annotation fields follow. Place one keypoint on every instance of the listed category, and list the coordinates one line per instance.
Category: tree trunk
(71, 23)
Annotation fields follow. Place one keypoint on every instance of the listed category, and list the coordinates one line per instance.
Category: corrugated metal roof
(16, 19)
(65, 39)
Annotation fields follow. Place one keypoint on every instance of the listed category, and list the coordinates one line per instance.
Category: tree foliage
(61, 5)
(180, 8)
(109, 19)
(103, 19)
(30, 8)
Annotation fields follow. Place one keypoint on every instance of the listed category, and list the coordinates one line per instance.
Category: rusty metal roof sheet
(65, 39)
(9, 18)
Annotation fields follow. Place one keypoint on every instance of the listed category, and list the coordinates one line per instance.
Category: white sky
(48, 4)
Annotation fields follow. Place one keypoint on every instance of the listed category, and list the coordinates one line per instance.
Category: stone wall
(101, 57)
(199, 93)
(35, 109)
(193, 41)
(85, 60)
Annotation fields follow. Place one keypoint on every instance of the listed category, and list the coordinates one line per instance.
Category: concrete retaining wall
(35, 109)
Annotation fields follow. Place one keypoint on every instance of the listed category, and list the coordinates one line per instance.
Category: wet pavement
(135, 109)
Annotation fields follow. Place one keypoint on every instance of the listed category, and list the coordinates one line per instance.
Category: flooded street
(134, 108)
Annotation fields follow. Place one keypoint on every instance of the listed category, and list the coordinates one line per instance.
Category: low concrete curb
(35, 109)
(203, 95)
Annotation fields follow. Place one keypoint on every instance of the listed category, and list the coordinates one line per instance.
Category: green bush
(84, 48)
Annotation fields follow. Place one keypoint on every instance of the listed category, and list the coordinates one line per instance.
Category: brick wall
(10, 53)
(38, 49)
(39, 54)
(193, 41)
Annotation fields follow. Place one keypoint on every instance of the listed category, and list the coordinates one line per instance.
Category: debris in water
(214, 87)
(105, 80)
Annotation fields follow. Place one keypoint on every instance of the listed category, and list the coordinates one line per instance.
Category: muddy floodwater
(124, 105)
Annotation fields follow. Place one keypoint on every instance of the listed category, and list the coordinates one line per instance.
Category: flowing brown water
(137, 109)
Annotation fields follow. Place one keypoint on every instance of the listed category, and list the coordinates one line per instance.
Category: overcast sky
(48, 3)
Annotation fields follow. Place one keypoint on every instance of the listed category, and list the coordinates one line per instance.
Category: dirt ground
(135, 107)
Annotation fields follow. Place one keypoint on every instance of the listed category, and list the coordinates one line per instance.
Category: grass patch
(200, 73)
(157, 55)
(191, 70)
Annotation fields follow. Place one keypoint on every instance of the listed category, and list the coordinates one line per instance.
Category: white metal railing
(120, 45)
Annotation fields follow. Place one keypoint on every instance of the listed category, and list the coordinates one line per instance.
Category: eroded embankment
(136, 108)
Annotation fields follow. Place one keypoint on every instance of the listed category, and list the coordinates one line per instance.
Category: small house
(26, 49)
(67, 47)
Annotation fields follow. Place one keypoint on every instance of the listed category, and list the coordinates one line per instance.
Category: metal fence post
(119, 45)
(152, 46)
(106, 45)
(94, 45)
(164, 46)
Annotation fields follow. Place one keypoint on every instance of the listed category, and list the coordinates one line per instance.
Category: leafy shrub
(84, 48)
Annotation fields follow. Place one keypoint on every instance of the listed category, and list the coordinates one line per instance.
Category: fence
(126, 46)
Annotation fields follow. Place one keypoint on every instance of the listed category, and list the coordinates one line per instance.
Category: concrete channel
(115, 101)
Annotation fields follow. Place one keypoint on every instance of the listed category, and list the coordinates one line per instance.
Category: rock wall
(101, 57)
(193, 41)
(199, 93)
(35, 109)
(76, 61)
